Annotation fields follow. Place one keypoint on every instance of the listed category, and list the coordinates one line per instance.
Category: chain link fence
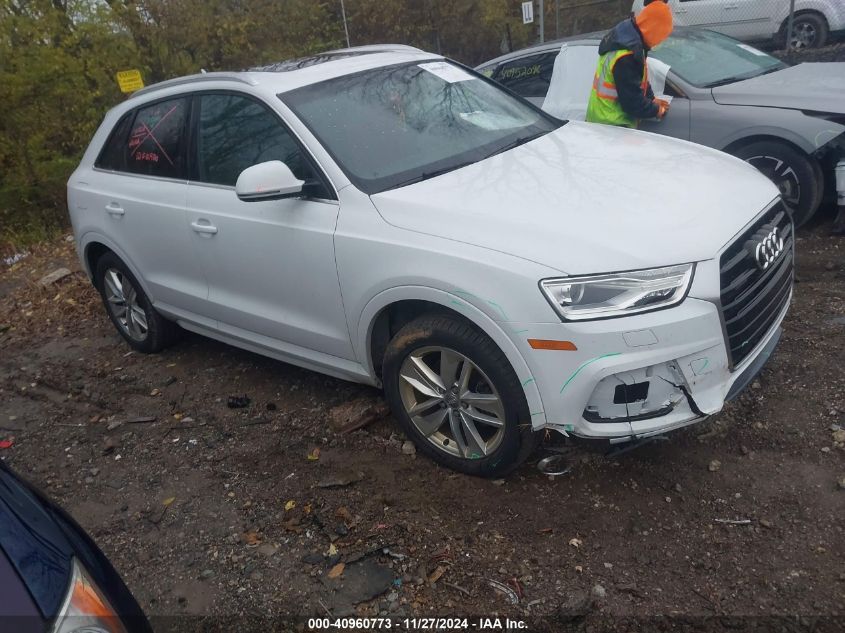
(771, 24)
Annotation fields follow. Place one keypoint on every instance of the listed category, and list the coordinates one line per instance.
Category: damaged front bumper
(643, 375)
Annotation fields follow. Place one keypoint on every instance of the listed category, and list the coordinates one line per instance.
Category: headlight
(85, 609)
(618, 294)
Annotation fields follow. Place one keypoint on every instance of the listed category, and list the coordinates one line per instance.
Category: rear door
(139, 187)
(270, 265)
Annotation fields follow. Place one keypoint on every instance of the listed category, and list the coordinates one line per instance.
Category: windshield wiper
(736, 78)
(522, 140)
(443, 170)
(431, 174)
(726, 80)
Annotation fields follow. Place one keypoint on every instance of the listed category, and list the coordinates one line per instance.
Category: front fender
(721, 126)
(464, 307)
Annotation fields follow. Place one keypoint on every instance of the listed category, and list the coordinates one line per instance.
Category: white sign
(752, 50)
(527, 12)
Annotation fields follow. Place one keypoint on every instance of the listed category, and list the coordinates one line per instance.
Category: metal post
(345, 27)
(557, 19)
(789, 26)
(543, 22)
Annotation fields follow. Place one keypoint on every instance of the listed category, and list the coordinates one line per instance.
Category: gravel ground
(268, 511)
(833, 53)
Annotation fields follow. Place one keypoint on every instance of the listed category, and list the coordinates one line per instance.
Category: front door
(705, 13)
(749, 19)
(270, 265)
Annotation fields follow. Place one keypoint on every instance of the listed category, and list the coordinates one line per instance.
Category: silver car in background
(762, 20)
(788, 121)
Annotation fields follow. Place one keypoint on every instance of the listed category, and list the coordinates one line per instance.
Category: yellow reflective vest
(604, 99)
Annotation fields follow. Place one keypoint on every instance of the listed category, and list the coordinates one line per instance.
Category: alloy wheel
(122, 302)
(803, 35)
(452, 402)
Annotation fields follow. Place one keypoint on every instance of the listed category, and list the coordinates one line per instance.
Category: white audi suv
(387, 216)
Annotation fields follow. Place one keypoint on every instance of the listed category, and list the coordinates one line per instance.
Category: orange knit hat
(655, 23)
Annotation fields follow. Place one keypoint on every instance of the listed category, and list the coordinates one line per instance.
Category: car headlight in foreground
(618, 294)
(85, 609)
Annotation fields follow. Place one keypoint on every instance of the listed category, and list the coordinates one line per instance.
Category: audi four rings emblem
(767, 248)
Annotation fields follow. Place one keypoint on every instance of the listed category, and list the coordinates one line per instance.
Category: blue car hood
(36, 548)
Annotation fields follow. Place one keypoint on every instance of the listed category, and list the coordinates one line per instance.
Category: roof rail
(190, 79)
(375, 48)
(329, 56)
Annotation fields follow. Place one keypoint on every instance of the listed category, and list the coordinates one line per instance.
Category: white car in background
(390, 217)
(759, 20)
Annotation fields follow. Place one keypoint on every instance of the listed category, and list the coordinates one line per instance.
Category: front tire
(129, 308)
(455, 395)
(791, 171)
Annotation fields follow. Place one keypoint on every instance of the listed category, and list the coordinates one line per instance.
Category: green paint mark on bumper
(589, 362)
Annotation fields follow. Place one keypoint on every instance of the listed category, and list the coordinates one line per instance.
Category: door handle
(113, 208)
(680, 11)
(732, 7)
(206, 229)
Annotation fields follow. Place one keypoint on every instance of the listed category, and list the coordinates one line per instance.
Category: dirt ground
(231, 512)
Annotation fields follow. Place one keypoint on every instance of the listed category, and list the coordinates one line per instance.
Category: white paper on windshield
(491, 121)
(657, 71)
(446, 72)
(752, 50)
(572, 81)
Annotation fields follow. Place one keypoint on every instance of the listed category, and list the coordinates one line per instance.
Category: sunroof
(305, 62)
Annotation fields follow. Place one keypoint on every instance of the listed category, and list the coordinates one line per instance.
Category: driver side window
(236, 132)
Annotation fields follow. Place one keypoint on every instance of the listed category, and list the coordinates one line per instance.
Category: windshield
(396, 125)
(707, 59)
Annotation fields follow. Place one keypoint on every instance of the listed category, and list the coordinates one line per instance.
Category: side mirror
(272, 180)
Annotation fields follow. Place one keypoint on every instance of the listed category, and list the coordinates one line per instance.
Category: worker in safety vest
(621, 93)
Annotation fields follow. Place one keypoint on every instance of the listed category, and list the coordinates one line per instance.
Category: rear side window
(236, 132)
(527, 76)
(156, 144)
(114, 152)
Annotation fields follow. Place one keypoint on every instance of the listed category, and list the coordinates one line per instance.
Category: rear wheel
(792, 172)
(129, 308)
(456, 396)
(809, 30)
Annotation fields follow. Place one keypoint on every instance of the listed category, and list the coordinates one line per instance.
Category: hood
(624, 35)
(589, 198)
(33, 544)
(817, 87)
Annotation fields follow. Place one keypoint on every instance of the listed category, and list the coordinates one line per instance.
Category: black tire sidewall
(811, 193)
(446, 331)
(158, 329)
(819, 22)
